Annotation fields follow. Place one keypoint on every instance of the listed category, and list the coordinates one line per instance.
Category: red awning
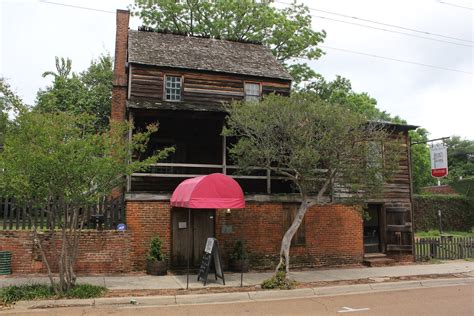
(212, 191)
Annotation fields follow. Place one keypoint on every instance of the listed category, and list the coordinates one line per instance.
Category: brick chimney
(119, 90)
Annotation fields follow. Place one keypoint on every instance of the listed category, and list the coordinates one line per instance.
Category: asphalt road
(451, 300)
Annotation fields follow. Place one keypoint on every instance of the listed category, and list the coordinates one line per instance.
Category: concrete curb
(243, 296)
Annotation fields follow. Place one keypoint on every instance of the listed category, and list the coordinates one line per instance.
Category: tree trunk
(286, 241)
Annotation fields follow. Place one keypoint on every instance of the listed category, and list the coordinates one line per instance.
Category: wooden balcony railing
(175, 170)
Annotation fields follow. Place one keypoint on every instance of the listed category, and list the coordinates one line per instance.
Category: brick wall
(144, 221)
(104, 252)
(333, 235)
(119, 90)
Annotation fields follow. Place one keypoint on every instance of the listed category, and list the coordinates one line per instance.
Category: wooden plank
(4, 205)
(391, 247)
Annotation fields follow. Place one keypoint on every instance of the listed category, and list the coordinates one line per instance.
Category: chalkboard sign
(211, 258)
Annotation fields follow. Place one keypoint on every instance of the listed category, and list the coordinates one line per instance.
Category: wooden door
(203, 228)
(372, 229)
(179, 231)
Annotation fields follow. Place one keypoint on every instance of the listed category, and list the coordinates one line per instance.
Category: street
(449, 300)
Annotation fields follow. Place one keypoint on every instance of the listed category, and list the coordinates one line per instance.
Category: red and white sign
(439, 160)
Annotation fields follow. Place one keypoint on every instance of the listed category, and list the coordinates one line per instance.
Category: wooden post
(188, 247)
(130, 135)
(269, 182)
(224, 154)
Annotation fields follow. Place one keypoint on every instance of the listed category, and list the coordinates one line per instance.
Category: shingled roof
(170, 50)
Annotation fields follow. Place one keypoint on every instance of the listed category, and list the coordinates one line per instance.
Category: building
(181, 81)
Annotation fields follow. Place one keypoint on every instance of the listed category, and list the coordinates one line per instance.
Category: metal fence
(444, 248)
(106, 214)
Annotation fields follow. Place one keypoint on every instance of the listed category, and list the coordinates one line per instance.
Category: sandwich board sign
(210, 258)
(439, 160)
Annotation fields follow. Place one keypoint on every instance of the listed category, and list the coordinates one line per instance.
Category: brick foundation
(333, 237)
(103, 252)
(333, 233)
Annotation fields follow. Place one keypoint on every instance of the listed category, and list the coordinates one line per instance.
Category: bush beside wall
(457, 212)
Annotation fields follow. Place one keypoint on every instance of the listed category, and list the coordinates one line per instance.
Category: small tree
(58, 163)
(321, 148)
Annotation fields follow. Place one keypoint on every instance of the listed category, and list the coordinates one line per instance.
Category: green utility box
(5, 262)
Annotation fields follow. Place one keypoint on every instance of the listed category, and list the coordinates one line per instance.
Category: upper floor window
(252, 91)
(173, 88)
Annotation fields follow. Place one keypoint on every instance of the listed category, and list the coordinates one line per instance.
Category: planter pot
(239, 265)
(156, 267)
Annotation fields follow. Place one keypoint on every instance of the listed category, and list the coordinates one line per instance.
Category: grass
(14, 293)
(435, 233)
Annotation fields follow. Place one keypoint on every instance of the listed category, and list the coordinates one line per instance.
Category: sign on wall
(439, 160)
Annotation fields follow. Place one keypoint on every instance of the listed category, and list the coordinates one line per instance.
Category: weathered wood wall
(202, 88)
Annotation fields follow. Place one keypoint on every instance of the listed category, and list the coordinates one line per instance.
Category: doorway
(202, 227)
(373, 222)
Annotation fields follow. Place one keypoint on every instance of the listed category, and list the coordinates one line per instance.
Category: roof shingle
(198, 53)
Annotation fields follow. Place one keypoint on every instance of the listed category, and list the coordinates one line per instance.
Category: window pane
(173, 88)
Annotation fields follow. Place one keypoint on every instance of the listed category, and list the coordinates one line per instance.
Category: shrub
(14, 293)
(86, 291)
(239, 252)
(279, 281)
(457, 212)
(156, 250)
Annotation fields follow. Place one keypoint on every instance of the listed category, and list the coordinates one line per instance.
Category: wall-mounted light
(227, 211)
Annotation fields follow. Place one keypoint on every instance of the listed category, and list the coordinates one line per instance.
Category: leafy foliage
(279, 281)
(15, 293)
(464, 187)
(339, 91)
(460, 158)
(420, 157)
(239, 252)
(50, 157)
(87, 92)
(86, 291)
(320, 147)
(457, 212)
(309, 140)
(287, 32)
(9, 103)
(60, 155)
(156, 250)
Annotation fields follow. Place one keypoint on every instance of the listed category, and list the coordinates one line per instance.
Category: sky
(33, 32)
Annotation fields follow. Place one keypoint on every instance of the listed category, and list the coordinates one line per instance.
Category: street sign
(439, 160)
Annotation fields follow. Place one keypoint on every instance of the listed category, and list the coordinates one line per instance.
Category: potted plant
(239, 260)
(156, 263)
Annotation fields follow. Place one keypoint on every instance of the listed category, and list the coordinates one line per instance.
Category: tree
(10, 103)
(420, 160)
(58, 163)
(320, 147)
(287, 32)
(339, 91)
(460, 158)
(87, 92)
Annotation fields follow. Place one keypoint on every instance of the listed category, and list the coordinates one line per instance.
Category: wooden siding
(200, 88)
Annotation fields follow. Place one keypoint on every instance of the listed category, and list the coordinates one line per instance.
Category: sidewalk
(146, 282)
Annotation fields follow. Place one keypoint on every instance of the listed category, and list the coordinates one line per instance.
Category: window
(172, 88)
(375, 158)
(252, 91)
(289, 214)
